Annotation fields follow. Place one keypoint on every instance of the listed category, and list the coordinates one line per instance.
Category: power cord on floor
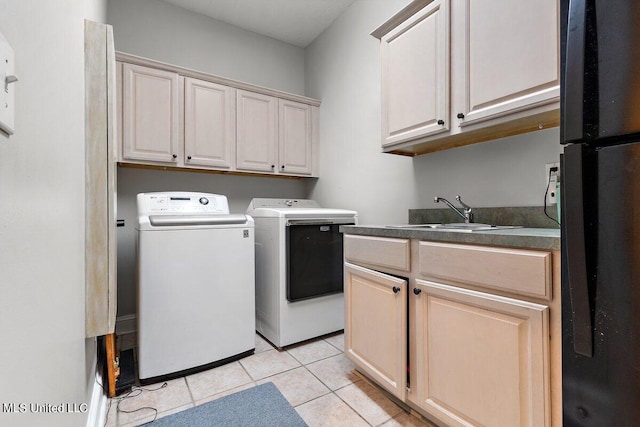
(135, 392)
(551, 170)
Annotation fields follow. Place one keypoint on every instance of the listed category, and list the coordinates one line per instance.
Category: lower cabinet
(376, 326)
(462, 355)
(478, 359)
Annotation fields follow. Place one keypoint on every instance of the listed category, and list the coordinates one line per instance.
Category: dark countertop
(526, 238)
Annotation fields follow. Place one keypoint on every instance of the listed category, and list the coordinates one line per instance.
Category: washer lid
(192, 220)
(260, 203)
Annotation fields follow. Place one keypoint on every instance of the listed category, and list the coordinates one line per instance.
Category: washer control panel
(172, 203)
(283, 203)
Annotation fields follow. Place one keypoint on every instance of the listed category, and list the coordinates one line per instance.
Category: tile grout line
(331, 391)
(335, 394)
(345, 402)
(269, 376)
(352, 383)
(318, 360)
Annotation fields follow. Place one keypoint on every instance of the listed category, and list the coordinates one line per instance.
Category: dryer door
(314, 259)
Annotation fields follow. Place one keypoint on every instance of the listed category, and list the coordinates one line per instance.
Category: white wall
(343, 70)
(45, 358)
(505, 172)
(161, 31)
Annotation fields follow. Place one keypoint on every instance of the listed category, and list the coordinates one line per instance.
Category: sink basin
(465, 226)
(457, 227)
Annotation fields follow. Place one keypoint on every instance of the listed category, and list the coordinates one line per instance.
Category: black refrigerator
(600, 174)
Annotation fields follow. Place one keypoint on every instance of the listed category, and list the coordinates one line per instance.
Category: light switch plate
(7, 86)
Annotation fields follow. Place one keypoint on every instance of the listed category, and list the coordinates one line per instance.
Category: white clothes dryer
(299, 269)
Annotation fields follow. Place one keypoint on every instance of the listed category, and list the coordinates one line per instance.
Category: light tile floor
(315, 377)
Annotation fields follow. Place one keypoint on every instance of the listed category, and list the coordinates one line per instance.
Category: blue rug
(260, 406)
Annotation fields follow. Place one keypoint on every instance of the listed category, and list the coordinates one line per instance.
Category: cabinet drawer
(385, 252)
(518, 271)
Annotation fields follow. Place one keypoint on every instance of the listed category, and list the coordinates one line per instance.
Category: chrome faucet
(466, 213)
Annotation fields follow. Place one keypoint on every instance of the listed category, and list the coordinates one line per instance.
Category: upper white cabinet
(257, 125)
(209, 124)
(275, 135)
(172, 116)
(150, 114)
(510, 57)
(298, 131)
(455, 72)
(415, 76)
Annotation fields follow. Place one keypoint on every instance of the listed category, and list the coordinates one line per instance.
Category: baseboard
(126, 324)
(98, 407)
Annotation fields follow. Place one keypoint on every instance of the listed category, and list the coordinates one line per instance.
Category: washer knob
(204, 201)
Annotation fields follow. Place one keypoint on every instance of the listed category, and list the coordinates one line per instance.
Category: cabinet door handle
(282, 167)
(273, 166)
(417, 291)
(396, 289)
(188, 157)
(175, 156)
(460, 116)
(440, 122)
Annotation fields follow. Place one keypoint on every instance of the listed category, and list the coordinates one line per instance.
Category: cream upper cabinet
(209, 124)
(257, 132)
(296, 136)
(186, 119)
(150, 114)
(276, 135)
(456, 72)
(415, 76)
(511, 59)
(479, 359)
(375, 326)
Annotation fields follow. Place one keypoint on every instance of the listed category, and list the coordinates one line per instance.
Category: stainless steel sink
(457, 227)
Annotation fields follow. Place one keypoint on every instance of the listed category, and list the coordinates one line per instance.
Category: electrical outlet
(551, 178)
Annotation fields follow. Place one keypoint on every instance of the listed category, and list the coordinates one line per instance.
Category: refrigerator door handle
(573, 222)
(574, 71)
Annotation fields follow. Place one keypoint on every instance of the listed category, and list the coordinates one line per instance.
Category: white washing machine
(195, 284)
(299, 269)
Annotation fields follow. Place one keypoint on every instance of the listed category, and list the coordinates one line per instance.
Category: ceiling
(297, 22)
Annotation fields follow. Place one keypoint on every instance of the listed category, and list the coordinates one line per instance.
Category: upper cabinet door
(209, 124)
(415, 76)
(296, 137)
(257, 131)
(511, 57)
(150, 114)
